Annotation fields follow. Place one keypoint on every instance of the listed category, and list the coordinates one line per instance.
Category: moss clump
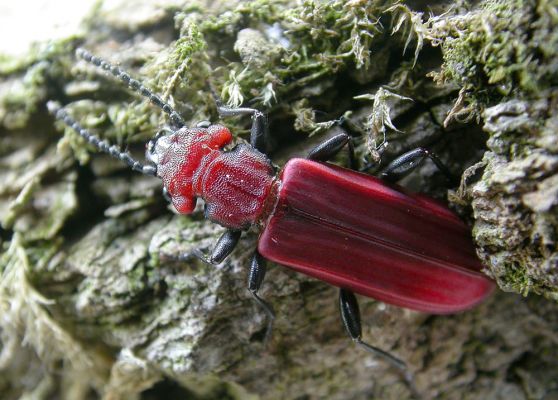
(29, 78)
(501, 50)
(276, 55)
(311, 43)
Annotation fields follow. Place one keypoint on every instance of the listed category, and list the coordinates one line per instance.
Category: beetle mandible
(355, 231)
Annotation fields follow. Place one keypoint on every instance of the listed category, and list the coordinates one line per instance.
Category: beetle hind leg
(256, 276)
(350, 315)
(408, 161)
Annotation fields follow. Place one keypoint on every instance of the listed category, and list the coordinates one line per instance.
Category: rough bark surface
(93, 303)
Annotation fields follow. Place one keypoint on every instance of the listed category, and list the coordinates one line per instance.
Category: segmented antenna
(59, 113)
(132, 83)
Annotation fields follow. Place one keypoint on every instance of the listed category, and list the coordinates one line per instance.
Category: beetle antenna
(132, 83)
(113, 150)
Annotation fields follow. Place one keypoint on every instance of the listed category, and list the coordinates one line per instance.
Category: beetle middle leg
(326, 150)
(256, 276)
(223, 248)
(350, 314)
(405, 163)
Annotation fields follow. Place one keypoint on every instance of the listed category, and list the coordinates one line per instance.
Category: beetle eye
(150, 150)
(151, 146)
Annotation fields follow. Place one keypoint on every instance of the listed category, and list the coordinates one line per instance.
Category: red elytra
(340, 226)
(354, 231)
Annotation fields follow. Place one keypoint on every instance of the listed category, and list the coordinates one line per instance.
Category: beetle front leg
(224, 246)
(325, 151)
(259, 129)
(256, 276)
(405, 163)
(350, 314)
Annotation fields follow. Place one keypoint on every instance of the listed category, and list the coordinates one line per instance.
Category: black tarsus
(60, 113)
(133, 84)
(166, 195)
(350, 315)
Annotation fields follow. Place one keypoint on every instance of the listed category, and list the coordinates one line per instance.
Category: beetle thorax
(234, 184)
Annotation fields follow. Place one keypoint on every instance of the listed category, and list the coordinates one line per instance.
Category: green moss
(489, 52)
(316, 40)
(518, 280)
(504, 57)
(380, 119)
(186, 64)
(21, 98)
(24, 311)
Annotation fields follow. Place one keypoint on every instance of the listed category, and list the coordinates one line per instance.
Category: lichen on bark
(93, 300)
(504, 56)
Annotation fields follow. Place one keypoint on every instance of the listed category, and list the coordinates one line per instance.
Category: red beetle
(347, 228)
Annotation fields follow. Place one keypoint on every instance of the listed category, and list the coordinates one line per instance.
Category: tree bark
(94, 302)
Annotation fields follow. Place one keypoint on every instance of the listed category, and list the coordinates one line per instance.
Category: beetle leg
(255, 279)
(405, 163)
(327, 150)
(350, 314)
(258, 131)
(224, 246)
